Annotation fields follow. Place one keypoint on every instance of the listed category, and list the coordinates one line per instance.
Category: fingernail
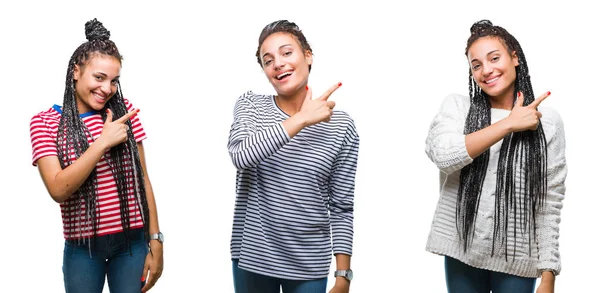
(339, 84)
(548, 92)
(306, 87)
(143, 279)
(106, 110)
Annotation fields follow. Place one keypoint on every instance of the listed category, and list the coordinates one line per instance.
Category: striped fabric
(44, 129)
(293, 195)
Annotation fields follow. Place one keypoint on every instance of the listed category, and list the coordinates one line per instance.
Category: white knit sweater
(446, 147)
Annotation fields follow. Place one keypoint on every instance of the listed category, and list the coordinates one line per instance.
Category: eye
(267, 62)
(98, 78)
(287, 53)
(115, 82)
(476, 66)
(495, 58)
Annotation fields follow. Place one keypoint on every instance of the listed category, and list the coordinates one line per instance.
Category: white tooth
(283, 74)
(492, 80)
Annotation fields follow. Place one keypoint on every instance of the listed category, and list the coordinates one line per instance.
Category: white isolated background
(185, 64)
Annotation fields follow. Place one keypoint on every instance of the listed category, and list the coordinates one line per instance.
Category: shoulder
(128, 105)
(45, 116)
(343, 117)
(456, 101)
(550, 116)
(553, 125)
(250, 96)
(342, 120)
(252, 101)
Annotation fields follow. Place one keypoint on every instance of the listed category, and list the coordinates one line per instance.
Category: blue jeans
(110, 257)
(462, 278)
(248, 282)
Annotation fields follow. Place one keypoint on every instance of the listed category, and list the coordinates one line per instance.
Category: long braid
(72, 141)
(521, 183)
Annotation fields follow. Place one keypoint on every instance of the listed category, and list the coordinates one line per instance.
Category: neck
(291, 104)
(505, 100)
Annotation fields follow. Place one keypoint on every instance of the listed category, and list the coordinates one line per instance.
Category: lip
(492, 81)
(286, 78)
(99, 98)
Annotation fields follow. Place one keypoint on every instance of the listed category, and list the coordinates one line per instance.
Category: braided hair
(72, 142)
(285, 27)
(521, 183)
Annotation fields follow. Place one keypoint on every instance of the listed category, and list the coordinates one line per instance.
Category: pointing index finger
(539, 100)
(330, 91)
(127, 116)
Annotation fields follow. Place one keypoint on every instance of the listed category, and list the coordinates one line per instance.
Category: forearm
(152, 210)
(248, 149)
(480, 141)
(67, 181)
(342, 262)
(294, 125)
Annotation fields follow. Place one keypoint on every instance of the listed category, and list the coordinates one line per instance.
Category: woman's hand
(341, 285)
(528, 117)
(154, 264)
(320, 109)
(115, 132)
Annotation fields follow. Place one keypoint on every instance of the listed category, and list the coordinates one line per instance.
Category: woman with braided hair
(90, 156)
(296, 160)
(502, 169)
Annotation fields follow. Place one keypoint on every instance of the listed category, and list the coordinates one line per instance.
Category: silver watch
(158, 236)
(345, 273)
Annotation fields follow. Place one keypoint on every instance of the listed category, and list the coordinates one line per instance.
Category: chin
(286, 89)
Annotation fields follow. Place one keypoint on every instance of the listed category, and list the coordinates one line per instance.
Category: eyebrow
(488, 54)
(279, 48)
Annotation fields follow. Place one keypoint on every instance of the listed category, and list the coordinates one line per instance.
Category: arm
(62, 183)
(249, 146)
(549, 218)
(451, 150)
(341, 204)
(446, 143)
(154, 259)
(521, 118)
(342, 262)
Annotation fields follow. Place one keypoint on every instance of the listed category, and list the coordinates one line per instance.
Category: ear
(76, 72)
(309, 57)
(515, 58)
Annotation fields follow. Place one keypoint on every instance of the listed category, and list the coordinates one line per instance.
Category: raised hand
(115, 132)
(320, 109)
(526, 117)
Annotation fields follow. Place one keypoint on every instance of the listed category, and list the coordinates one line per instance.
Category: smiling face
(96, 82)
(493, 67)
(285, 63)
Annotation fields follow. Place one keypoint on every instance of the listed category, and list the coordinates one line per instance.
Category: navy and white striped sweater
(292, 194)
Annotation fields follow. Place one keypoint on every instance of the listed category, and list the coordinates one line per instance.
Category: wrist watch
(344, 273)
(158, 236)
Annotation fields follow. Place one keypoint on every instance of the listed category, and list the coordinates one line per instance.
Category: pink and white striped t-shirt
(44, 129)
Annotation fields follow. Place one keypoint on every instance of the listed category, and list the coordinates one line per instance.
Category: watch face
(161, 238)
(349, 275)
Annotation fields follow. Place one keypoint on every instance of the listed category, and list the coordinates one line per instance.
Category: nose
(106, 88)
(487, 69)
(279, 63)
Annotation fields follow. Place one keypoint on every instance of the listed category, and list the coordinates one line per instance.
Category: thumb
(145, 273)
(308, 94)
(109, 116)
(519, 99)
